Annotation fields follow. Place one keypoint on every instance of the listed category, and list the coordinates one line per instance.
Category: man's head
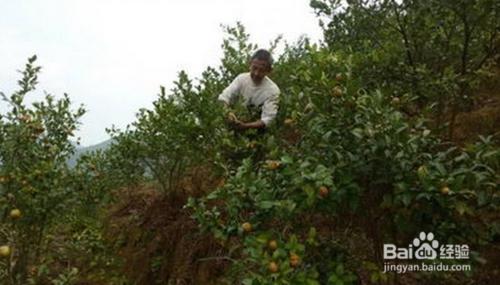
(260, 65)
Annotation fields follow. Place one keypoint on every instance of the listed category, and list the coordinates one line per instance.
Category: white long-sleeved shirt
(265, 95)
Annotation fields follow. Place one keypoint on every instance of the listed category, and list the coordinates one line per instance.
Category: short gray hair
(264, 55)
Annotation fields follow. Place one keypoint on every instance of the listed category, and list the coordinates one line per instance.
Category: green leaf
(406, 199)
(421, 196)
(287, 159)
(461, 207)
(312, 282)
(482, 198)
(311, 237)
(440, 168)
(311, 195)
(357, 133)
(247, 281)
(266, 204)
(387, 201)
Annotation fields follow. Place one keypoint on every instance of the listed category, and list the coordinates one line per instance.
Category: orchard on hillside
(352, 161)
(360, 154)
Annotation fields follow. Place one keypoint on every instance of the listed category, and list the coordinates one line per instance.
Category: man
(257, 90)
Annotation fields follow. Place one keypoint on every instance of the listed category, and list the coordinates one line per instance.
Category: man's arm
(270, 109)
(227, 95)
(251, 125)
(230, 91)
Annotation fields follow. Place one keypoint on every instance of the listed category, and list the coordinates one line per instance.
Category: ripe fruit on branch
(337, 91)
(272, 267)
(445, 190)
(273, 244)
(4, 251)
(323, 191)
(251, 144)
(422, 172)
(273, 164)
(15, 214)
(247, 227)
(294, 260)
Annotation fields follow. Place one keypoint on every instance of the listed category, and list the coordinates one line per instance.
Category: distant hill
(79, 151)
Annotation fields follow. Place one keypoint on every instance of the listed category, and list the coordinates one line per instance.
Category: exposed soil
(159, 241)
(484, 118)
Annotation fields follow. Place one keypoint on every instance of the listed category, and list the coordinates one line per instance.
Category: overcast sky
(112, 55)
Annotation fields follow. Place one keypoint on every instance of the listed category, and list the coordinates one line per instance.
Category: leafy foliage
(353, 159)
(434, 51)
(34, 147)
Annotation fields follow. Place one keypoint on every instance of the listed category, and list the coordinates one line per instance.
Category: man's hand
(235, 122)
(241, 126)
(231, 117)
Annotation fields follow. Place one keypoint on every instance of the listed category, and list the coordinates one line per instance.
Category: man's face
(258, 70)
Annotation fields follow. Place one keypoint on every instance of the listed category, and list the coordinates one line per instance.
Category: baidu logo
(430, 253)
(426, 247)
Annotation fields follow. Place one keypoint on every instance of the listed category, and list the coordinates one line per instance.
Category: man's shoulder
(273, 86)
(244, 76)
